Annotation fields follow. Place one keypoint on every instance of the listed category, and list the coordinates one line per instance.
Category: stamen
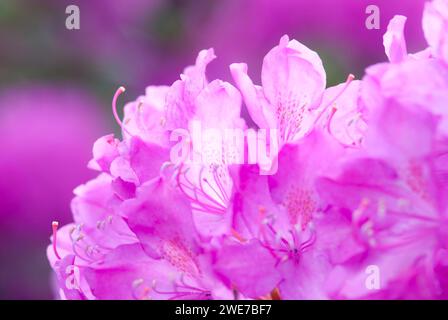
(187, 290)
(81, 252)
(237, 235)
(350, 78)
(222, 189)
(54, 226)
(308, 243)
(427, 218)
(83, 249)
(140, 291)
(358, 213)
(114, 109)
(330, 118)
(274, 242)
(200, 199)
(278, 237)
(218, 194)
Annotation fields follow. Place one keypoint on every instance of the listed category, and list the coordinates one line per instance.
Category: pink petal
(249, 267)
(254, 99)
(435, 27)
(293, 75)
(163, 222)
(394, 41)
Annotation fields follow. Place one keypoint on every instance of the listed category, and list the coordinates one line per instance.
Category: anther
(349, 80)
(114, 108)
(54, 226)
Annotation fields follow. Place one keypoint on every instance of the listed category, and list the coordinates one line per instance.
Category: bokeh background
(56, 86)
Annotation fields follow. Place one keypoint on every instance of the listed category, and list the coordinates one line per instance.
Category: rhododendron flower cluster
(361, 184)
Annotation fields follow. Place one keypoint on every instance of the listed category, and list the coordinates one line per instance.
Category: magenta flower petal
(258, 106)
(105, 150)
(116, 278)
(435, 26)
(181, 96)
(394, 41)
(345, 121)
(163, 222)
(249, 267)
(293, 75)
(293, 82)
(145, 117)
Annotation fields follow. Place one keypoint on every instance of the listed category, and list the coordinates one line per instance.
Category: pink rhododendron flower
(357, 208)
(293, 82)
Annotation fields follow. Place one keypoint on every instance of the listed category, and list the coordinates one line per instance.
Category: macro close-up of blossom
(357, 185)
(196, 150)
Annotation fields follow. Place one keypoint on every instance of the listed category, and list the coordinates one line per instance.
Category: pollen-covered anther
(119, 91)
(237, 235)
(54, 226)
(140, 291)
